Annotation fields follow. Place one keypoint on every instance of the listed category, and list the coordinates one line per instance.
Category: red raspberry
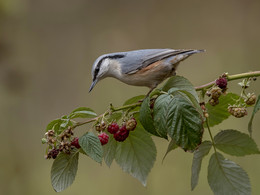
(103, 137)
(113, 128)
(75, 142)
(221, 82)
(122, 134)
(131, 124)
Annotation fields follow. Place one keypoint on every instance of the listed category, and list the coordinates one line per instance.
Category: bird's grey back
(138, 59)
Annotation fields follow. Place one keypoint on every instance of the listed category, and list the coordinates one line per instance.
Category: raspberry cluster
(60, 143)
(121, 133)
(215, 92)
(214, 95)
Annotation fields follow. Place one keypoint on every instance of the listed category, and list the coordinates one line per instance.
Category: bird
(145, 67)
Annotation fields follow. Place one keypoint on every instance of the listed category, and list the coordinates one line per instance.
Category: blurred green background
(47, 49)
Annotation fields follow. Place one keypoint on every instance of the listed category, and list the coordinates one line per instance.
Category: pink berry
(221, 82)
(75, 142)
(122, 134)
(103, 137)
(113, 128)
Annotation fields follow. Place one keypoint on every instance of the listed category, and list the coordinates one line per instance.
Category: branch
(230, 78)
(111, 109)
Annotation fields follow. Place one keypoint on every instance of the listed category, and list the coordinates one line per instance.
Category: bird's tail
(192, 51)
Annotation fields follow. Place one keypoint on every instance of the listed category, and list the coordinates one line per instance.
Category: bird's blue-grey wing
(136, 60)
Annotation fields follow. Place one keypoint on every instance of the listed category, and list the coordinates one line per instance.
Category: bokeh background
(47, 49)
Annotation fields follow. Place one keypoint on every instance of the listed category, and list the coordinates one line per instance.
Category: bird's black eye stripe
(116, 56)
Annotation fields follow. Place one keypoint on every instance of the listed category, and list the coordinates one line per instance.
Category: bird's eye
(96, 71)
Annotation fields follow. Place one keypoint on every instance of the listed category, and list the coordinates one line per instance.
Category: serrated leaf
(110, 150)
(226, 177)
(198, 155)
(182, 84)
(64, 170)
(191, 98)
(134, 99)
(180, 119)
(137, 154)
(235, 143)
(91, 145)
(82, 112)
(256, 108)
(172, 145)
(219, 113)
(147, 120)
(54, 125)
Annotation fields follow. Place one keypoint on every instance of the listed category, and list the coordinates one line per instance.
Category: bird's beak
(92, 85)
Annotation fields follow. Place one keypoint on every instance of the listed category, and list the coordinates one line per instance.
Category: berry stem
(230, 78)
(111, 109)
(210, 134)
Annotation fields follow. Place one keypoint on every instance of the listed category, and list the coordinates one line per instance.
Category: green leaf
(256, 108)
(134, 99)
(82, 112)
(64, 170)
(199, 154)
(191, 98)
(137, 154)
(172, 145)
(226, 177)
(54, 125)
(91, 145)
(219, 113)
(182, 84)
(110, 150)
(147, 120)
(180, 119)
(235, 143)
(65, 123)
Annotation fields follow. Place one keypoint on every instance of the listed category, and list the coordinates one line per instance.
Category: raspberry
(103, 126)
(131, 124)
(215, 93)
(122, 134)
(213, 102)
(98, 128)
(50, 133)
(237, 112)
(54, 153)
(251, 99)
(103, 137)
(221, 82)
(113, 128)
(75, 142)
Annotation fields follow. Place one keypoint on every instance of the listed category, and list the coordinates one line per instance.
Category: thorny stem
(230, 78)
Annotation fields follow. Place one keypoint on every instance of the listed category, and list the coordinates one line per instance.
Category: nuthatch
(147, 67)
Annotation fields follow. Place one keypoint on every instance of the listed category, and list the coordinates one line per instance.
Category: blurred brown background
(47, 48)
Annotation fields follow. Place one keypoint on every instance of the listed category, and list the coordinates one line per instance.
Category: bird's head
(102, 67)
